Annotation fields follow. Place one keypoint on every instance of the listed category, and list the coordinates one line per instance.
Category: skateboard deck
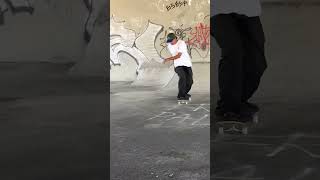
(184, 101)
(236, 126)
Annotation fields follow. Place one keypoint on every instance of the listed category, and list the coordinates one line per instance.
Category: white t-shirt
(184, 59)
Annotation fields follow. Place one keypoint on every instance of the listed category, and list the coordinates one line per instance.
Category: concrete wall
(138, 30)
(55, 31)
(292, 50)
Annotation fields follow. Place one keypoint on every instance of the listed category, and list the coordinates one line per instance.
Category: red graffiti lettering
(200, 37)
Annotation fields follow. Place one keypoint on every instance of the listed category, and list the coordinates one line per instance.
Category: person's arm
(182, 48)
(177, 56)
(173, 57)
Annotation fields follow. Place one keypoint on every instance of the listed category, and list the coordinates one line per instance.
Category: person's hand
(164, 61)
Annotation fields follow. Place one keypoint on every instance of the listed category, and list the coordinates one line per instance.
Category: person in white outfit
(182, 65)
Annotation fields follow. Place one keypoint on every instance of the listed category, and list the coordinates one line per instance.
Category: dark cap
(171, 37)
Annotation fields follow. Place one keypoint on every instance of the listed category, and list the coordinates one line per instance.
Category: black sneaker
(189, 97)
(219, 111)
(183, 98)
(252, 106)
(247, 111)
(229, 116)
(244, 118)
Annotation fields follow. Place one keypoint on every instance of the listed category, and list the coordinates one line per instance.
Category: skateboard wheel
(245, 131)
(221, 131)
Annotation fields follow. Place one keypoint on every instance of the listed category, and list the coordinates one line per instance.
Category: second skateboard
(232, 126)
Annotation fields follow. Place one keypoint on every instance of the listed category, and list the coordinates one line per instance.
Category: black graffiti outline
(181, 33)
(89, 6)
(15, 9)
(177, 4)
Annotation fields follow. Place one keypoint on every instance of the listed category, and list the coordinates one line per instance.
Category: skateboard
(236, 126)
(184, 101)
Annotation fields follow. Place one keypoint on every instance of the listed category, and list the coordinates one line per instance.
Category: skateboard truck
(233, 128)
(184, 101)
(236, 126)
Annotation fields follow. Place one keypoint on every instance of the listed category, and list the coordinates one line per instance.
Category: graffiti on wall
(140, 47)
(14, 6)
(200, 37)
(90, 22)
(177, 4)
(96, 13)
(165, 5)
(180, 32)
(197, 38)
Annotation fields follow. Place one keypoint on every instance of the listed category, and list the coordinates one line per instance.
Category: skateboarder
(182, 64)
(238, 31)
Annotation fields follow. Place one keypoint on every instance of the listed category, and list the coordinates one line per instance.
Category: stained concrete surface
(284, 145)
(152, 137)
(52, 126)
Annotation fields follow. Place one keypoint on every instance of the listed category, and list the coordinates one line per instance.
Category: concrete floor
(51, 126)
(285, 145)
(154, 138)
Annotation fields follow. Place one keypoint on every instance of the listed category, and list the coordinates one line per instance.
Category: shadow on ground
(284, 145)
(52, 126)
